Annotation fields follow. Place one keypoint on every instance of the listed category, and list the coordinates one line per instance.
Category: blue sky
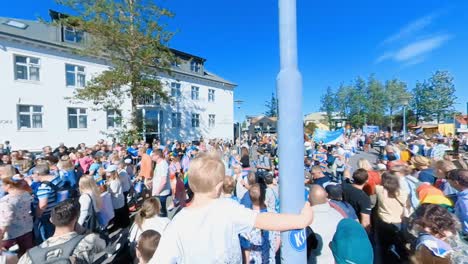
(338, 41)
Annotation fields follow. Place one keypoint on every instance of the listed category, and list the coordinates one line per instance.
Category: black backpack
(39, 255)
(91, 221)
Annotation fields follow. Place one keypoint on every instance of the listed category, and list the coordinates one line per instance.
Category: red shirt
(373, 180)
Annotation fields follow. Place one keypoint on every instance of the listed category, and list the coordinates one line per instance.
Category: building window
(114, 118)
(176, 120)
(71, 34)
(77, 118)
(75, 75)
(175, 89)
(195, 120)
(211, 95)
(30, 116)
(195, 92)
(26, 68)
(194, 66)
(211, 120)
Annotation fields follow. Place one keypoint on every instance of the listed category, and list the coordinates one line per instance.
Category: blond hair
(205, 172)
(444, 166)
(65, 164)
(149, 208)
(364, 164)
(88, 185)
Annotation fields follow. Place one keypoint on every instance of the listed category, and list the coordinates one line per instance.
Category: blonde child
(208, 230)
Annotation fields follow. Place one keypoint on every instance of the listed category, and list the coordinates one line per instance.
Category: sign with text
(298, 239)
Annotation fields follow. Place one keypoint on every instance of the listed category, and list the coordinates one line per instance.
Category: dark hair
(251, 178)
(257, 195)
(360, 176)
(228, 185)
(65, 212)
(51, 159)
(459, 175)
(268, 178)
(434, 218)
(391, 183)
(148, 243)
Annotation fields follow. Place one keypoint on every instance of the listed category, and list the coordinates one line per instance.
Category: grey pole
(290, 133)
(404, 122)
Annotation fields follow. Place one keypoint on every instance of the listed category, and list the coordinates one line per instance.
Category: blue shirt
(246, 201)
(46, 191)
(427, 175)
(461, 209)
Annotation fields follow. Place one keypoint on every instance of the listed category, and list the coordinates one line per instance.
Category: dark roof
(44, 33)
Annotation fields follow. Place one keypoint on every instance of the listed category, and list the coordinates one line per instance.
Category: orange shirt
(146, 167)
(373, 180)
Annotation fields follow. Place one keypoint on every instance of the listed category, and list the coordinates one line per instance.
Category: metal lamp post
(290, 133)
(405, 102)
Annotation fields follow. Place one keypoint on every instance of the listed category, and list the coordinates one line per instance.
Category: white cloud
(421, 47)
(411, 28)
(415, 52)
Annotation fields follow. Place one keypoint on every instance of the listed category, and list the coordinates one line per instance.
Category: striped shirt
(46, 191)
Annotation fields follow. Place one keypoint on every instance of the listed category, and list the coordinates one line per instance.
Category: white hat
(111, 168)
(381, 167)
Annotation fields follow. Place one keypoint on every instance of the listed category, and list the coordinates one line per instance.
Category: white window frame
(211, 120)
(31, 113)
(176, 120)
(195, 66)
(77, 115)
(211, 95)
(195, 93)
(176, 90)
(77, 74)
(116, 116)
(75, 32)
(195, 120)
(28, 64)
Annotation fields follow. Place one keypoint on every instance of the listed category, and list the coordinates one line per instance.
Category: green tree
(395, 95)
(375, 101)
(442, 91)
(130, 35)
(343, 101)
(358, 111)
(421, 101)
(328, 105)
(272, 106)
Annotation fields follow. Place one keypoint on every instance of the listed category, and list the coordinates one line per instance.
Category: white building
(38, 72)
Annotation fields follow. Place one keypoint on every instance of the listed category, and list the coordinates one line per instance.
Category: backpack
(91, 221)
(38, 255)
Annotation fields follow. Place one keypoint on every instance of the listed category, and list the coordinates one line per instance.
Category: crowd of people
(219, 202)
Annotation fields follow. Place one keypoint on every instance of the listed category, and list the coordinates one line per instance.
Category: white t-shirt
(325, 222)
(155, 223)
(160, 172)
(115, 190)
(125, 180)
(206, 235)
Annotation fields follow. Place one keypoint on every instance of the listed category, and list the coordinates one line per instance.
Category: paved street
(370, 156)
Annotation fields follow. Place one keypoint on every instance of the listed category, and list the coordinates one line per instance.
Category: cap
(111, 168)
(381, 167)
